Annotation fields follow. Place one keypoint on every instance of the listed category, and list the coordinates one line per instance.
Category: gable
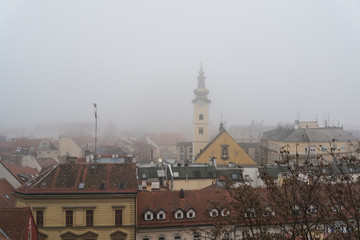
(225, 149)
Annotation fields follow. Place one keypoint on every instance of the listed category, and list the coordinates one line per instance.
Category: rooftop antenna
(95, 107)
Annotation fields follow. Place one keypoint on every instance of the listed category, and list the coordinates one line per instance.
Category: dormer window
(149, 216)
(225, 212)
(179, 214)
(161, 215)
(250, 213)
(214, 212)
(190, 214)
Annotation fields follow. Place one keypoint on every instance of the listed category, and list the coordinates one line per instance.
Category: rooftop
(84, 178)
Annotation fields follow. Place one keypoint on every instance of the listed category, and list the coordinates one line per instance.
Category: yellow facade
(104, 206)
(309, 150)
(191, 184)
(201, 127)
(226, 150)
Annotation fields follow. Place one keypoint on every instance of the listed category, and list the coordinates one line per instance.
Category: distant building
(54, 131)
(184, 152)
(163, 145)
(249, 134)
(83, 201)
(305, 140)
(200, 115)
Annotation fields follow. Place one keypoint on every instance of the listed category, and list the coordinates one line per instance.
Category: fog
(270, 61)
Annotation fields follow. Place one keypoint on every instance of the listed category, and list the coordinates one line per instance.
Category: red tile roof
(199, 200)
(66, 178)
(166, 139)
(14, 222)
(6, 199)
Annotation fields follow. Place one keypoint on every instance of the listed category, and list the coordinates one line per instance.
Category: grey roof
(191, 172)
(309, 135)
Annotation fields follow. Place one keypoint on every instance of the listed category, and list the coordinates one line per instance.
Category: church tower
(200, 115)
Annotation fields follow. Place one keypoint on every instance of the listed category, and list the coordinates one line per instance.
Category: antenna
(95, 107)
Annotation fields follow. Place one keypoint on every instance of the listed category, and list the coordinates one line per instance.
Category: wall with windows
(83, 217)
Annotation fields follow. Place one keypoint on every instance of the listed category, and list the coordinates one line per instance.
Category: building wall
(200, 140)
(191, 184)
(104, 214)
(235, 153)
(68, 146)
(271, 150)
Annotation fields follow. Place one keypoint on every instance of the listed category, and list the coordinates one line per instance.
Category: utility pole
(95, 107)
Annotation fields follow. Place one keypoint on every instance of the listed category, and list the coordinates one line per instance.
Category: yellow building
(83, 201)
(225, 151)
(200, 115)
(307, 141)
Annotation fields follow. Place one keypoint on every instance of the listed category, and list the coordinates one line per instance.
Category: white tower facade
(200, 115)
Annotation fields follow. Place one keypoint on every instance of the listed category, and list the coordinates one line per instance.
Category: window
(250, 213)
(177, 237)
(224, 151)
(190, 214)
(89, 217)
(214, 213)
(69, 218)
(201, 117)
(201, 130)
(268, 212)
(306, 150)
(145, 238)
(161, 238)
(324, 148)
(118, 217)
(161, 215)
(312, 149)
(197, 236)
(40, 218)
(312, 209)
(225, 212)
(148, 216)
(179, 214)
(336, 208)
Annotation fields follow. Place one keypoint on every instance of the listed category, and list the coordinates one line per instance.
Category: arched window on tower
(201, 117)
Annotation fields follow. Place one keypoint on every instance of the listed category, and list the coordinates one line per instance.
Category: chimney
(182, 193)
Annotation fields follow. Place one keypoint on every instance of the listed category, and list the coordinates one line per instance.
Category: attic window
(148, 216)
(7, 196)
(81, 185)
(161, 215)
(214, 212)
(102, 186)
(179, 214)
(225, 212)
(190, 214)
(122, 185)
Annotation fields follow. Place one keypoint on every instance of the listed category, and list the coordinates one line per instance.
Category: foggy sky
(138, 60)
